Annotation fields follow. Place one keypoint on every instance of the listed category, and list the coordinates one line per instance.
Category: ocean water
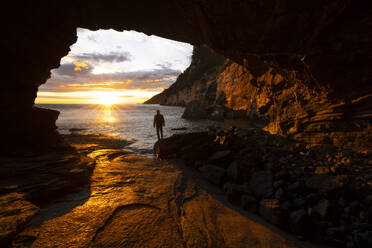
(131, 122)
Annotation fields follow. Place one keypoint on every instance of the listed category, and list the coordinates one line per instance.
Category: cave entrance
(101, 84)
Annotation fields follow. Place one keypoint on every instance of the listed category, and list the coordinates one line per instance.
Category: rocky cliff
(292, 102)
(197, 82)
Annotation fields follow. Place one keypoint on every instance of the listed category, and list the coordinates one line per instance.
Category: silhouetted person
(159, 123)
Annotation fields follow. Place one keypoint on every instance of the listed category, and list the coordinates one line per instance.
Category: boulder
(271, 211)
(194, 153)
(277, 184)
(233, 171)
(282, 174)
(324, 183)
(220, 156)
(172, 146)
(321, 208)
(213, 174)
(279, 194)
(368, 200)
(320, 170)
(363, 239)
(294, 187)
(261, 184)
(301, 223)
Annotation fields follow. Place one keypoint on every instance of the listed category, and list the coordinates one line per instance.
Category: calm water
(132, 122)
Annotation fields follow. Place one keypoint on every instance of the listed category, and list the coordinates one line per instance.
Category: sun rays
(104, 111)
(107, 98)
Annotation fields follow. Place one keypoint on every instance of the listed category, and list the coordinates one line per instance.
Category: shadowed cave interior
(302, 67)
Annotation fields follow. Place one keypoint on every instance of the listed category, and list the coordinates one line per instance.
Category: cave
(322, 45)
(308, 61)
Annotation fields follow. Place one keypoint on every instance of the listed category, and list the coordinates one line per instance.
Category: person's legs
(157, 132)
(161, 132)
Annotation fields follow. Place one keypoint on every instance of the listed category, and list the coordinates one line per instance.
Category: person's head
(158, 111)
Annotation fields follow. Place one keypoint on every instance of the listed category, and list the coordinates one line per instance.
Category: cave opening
(102, 82)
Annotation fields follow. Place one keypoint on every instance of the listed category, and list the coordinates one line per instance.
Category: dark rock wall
(327, 41)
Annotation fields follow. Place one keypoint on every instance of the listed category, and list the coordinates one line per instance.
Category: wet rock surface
(134, 201)
(31, 180)
(42, 177)
(15, 213)
(318, 192)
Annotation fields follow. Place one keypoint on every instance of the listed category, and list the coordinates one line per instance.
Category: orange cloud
(80, 65)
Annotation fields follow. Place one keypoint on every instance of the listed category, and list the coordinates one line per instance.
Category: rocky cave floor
(99, 195)
(318, 192)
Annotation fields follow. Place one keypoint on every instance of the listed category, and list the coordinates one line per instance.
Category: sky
(107, 66)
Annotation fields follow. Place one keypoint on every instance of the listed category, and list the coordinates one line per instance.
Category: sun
(107, 99)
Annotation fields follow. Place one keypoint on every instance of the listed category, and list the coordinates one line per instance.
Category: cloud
(113, 57)
(73, 69)
(79, 76)
(92, 38)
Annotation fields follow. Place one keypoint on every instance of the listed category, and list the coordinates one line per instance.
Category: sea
(130, 122)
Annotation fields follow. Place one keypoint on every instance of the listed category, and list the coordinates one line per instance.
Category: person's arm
(154, 120)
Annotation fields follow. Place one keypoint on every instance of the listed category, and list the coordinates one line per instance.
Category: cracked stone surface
(134, 201)
(15, 213)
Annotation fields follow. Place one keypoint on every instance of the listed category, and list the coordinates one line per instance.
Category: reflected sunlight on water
(107, 114)
(132, 122)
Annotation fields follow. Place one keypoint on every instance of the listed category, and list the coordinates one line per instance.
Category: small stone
(279, 194)
(321, 208)
(300, 222)
(321, 170)
(362, 215)
(281, 174)
(271, 211)
(368, 200)
(341, 202)
(294, 187)
(277, 184)
(324, 183)
(354, 204)
(233, 171)
(285, 205)
(335, 230)
(261, 184)
(298, 202)
(220, 155)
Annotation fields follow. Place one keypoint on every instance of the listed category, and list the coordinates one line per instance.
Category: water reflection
(106, 113)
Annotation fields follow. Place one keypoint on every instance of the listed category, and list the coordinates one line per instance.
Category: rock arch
(327, 41)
